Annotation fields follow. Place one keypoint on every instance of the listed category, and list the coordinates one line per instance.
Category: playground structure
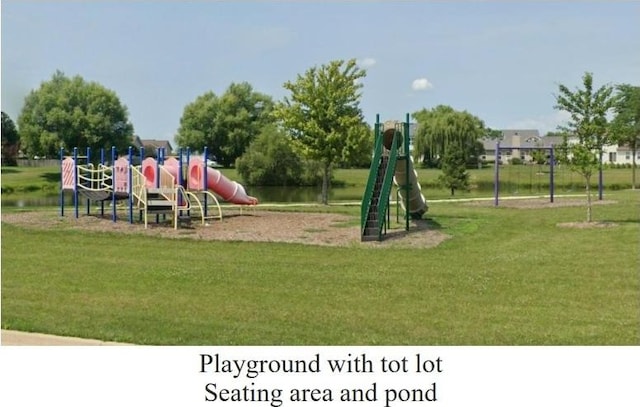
(184, 187)
(391, 163)
(496, 177)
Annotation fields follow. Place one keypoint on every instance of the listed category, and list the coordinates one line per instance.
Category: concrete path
(16, 338)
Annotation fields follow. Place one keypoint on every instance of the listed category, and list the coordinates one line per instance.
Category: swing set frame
(496, 177)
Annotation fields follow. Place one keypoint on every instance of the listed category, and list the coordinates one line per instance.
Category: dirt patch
(249, 225)
(587, 225)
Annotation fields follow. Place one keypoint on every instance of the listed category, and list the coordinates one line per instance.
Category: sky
(500, 61)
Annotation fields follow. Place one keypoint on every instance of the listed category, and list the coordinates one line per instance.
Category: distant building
(515, 144)
(521, 144)
(156, 144)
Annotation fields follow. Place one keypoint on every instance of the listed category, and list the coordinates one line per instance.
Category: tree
(626, 124)
(69, 112)
(270, 160)
(442, 126)
(588, 124)
(322, 114)
(454, 173)
(226, 125)
(10, 141)
(359, 146)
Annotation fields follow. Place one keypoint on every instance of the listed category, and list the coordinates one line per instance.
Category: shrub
(270, 161)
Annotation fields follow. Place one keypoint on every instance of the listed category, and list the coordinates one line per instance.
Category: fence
(38, 163)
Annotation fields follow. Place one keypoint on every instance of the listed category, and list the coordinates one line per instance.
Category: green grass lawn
(506, 277)
(515, 180)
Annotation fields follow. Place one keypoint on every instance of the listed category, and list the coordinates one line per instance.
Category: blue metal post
(204, 177)
(75, 180)
(91, 178)
(158, 158)
(129, 184)
(61, 182)
(101, 173)
(187, 177)
(496, 176)
(113, 183)
(143, 180)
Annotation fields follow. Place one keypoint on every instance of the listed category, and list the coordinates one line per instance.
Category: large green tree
(225, 124)
(358, 148)
(323, 116)
(70, 112)
(10, 141)
(626, 124)
(443, 126)
(588, 108)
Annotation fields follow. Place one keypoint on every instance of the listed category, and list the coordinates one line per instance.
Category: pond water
(264, 195)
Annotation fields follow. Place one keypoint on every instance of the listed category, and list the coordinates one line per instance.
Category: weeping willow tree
(443, 126)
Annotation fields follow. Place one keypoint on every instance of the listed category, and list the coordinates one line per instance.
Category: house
(515, 144)
(522, 143)
(154, 145)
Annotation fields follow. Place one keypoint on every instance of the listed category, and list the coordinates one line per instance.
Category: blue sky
(501, 61)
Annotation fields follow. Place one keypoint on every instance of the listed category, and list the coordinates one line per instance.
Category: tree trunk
(588, 198)
(453, 190)
(326, 176)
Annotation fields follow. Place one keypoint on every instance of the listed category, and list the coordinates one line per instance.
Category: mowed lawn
(505, 277)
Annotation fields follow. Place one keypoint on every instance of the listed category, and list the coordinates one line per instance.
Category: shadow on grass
(51, 176)
(10, 171)
(621, 221)
(415, 226)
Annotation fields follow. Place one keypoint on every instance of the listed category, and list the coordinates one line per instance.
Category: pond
(264, 195)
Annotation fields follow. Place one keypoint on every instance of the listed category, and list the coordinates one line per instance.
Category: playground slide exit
(417, 204)
(230, 191)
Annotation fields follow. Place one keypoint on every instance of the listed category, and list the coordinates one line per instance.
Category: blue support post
(158, 155)
(129, 185)
(204, 177)
(61, 182)
(75, 180)
(187, 177)
(113, 184)
(91, 178)
(145, 181)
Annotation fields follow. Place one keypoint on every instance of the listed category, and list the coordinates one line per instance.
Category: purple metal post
(496, 176)
(101, 179)
(600, 180)
(552, 163)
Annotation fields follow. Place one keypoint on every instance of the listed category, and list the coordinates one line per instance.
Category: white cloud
(421, 84)
(367, 62)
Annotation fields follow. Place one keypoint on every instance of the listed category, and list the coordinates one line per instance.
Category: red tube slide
(228, 190)
(148, 169)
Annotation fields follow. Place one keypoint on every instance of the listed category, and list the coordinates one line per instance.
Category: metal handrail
(373, 173)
